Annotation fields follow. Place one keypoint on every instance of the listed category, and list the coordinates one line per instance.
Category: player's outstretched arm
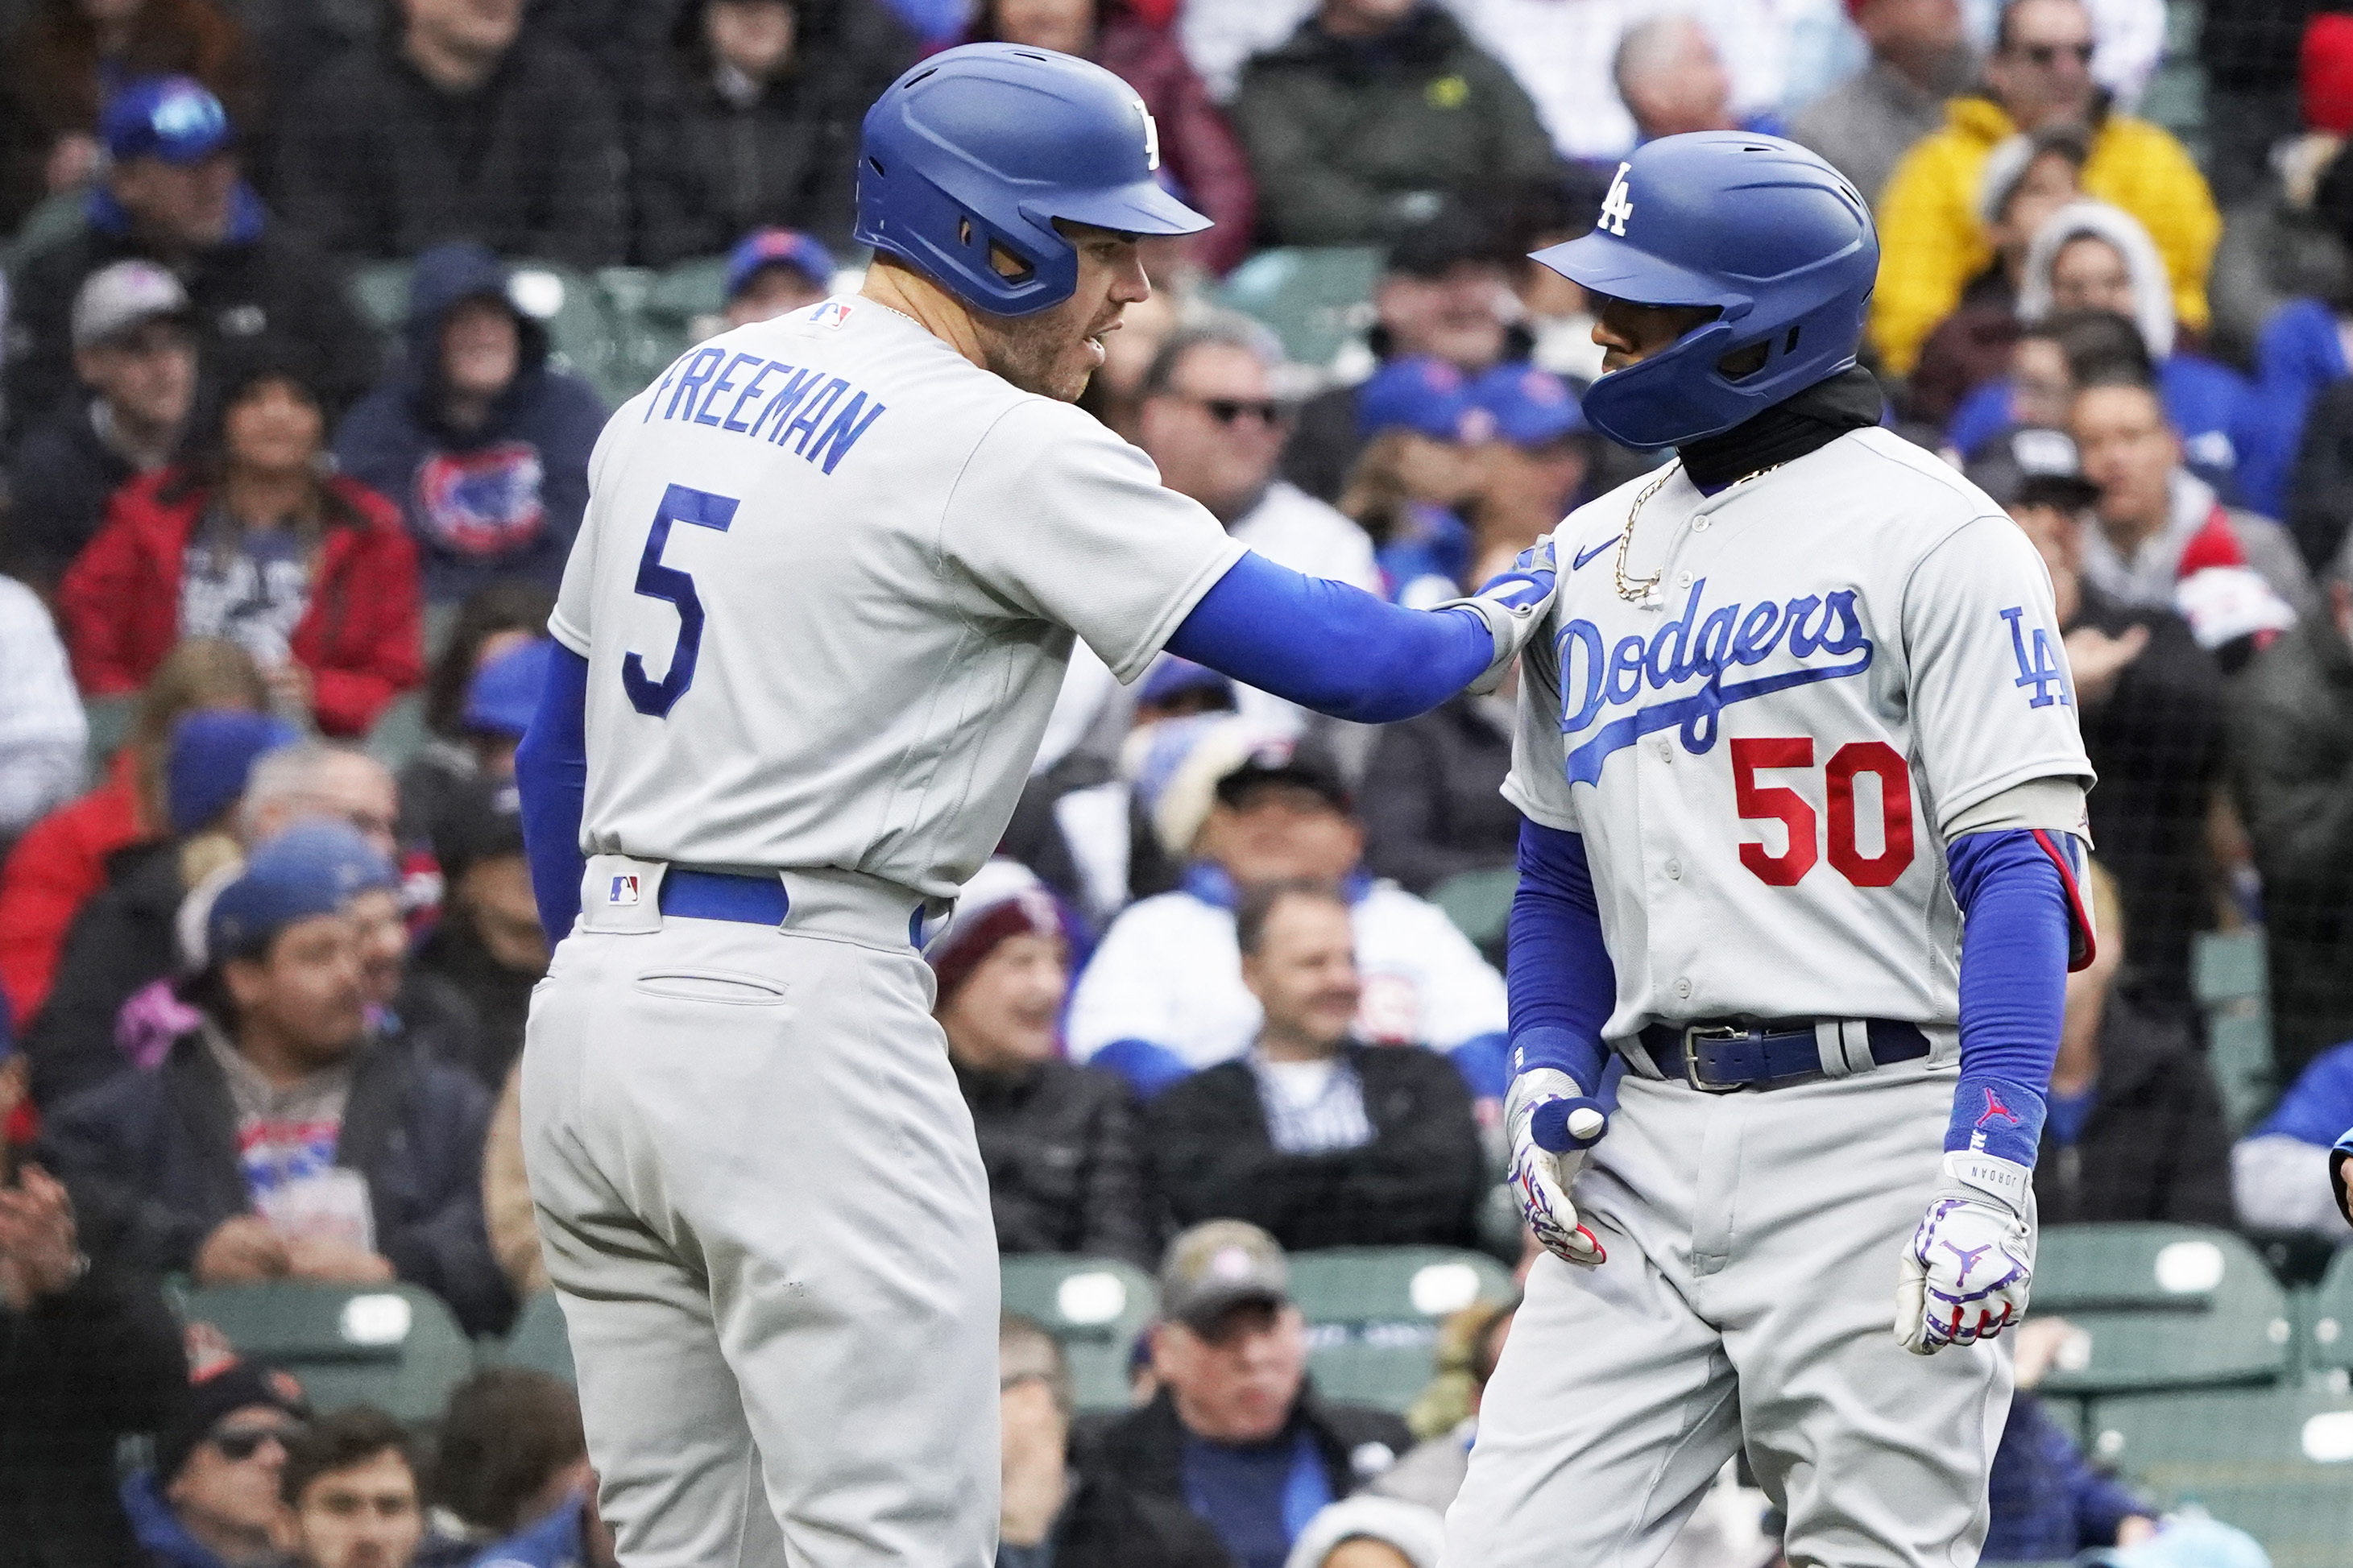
(1965, 1274)
(1341, 651)
(551, 777)
(1563, 987)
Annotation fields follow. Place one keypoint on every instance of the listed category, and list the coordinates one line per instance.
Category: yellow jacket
(1931, 244)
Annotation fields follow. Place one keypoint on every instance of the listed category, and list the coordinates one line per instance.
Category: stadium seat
(2161, 1307)
(396, 1347)
(1095, 1307)
(2231, 976)
(110, 718)
(581, 332)
(397, 732)
(380, 289)
(1316, 300)
(1373, 1314)
(2329, 1318)
(2277, 1463)
(1478, 902)
(539, 1339)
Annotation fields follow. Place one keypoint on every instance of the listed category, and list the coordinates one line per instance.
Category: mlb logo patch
(832, 313)
(624, 891)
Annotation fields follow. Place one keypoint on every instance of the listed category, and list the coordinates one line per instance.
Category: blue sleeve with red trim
(2024, 929)
(1562, 984)
(552, 779)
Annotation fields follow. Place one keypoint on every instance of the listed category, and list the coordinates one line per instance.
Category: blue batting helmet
(988, 144)
(1775, 240)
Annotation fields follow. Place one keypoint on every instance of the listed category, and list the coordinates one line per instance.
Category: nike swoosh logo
(1585, 556)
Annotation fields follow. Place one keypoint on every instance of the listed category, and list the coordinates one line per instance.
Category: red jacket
(52, 872)
(362, 639)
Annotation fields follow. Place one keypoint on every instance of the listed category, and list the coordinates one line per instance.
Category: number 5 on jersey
(1802, 845)
(674, 587)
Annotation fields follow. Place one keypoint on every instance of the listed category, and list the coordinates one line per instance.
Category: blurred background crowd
(313, 309)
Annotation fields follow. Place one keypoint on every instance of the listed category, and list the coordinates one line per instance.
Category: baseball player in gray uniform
(1798, 724)
(831, 572)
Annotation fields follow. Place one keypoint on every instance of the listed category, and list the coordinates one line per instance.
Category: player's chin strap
(1513, 603)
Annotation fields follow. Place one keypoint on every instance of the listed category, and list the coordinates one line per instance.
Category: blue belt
(1719, 1058)
(724, 896)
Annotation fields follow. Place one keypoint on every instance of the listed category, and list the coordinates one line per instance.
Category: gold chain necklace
(1644, 590)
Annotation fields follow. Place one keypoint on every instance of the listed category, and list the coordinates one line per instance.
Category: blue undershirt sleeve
(1563, 986)
(552, 778)
(1331, 647)
(2022, 912)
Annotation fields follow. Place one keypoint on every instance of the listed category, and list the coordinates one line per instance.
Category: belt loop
(1830, 1043)
(1855, 1033)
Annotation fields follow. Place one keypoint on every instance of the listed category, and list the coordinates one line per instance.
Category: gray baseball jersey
(1837, 662)
(826, 587)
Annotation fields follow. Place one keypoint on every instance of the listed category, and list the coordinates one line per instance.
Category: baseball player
(1799, 722)
(831, 572)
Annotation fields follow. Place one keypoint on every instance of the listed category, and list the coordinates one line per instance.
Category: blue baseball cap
(504, 693)
(308, 869)
(777, 248)
(1531, 407)
(1425, 395)
(174, 118)
(212, 755)
(1170, 676)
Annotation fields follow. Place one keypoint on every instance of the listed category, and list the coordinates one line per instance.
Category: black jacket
(1419, 1183)
(2320, 490)
(1065, 1160)
(386, 164)
(1143, 1449)
(61, 480)
(121, 940)
(274, 295)
(455, 971)
(1107, 1525)
(2156, 1146)
(1431, 797)
(155, 1153)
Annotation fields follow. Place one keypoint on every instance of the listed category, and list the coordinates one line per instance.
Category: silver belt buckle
(1691, 1057)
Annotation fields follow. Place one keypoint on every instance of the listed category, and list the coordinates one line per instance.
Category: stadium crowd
(278, 565)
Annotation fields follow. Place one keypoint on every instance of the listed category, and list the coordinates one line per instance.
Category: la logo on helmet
(1617, 206)
(1151, 134)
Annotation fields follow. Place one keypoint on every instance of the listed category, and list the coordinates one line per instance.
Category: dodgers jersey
(828, 584)
(1841, 656)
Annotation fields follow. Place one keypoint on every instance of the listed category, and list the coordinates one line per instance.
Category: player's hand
(1513, 603)
(241, 1250)
(1553, 1123)
(1966, 1273)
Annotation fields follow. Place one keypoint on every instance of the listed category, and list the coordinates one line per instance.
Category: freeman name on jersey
(739, 399)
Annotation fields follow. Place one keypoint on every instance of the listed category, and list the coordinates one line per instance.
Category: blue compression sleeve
(2022, 909)
(1563, 986)
(551, 777)
(1330, 646)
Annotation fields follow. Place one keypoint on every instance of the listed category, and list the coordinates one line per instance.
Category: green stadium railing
(1373, 1314)
(1096, 1308)
(2161, 1307)
(396, 1347)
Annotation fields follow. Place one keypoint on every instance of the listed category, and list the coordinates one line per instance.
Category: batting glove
(1553, 1123)
(1964, 1275)
(1513, 604)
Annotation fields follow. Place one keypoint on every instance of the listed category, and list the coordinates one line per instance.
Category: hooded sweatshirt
(498, 502)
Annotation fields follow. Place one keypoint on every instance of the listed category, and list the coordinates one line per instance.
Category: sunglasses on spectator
(2047, 55)
(239, 1444)
(1226, 410)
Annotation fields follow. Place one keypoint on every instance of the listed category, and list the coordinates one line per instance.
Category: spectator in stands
(67, 57)
(490, 623)
(135, 356)
(2292, 729)
(742, 127)
(94, 1356)
(319, 779)
(44, 734)
(1065, 1160)
(1931, 243)
(1532, 464)
(1561, 56)
(2136, 1130)
(1198, 148)
(1370, 1532)
(1164, 996)
(2248, 55)
(255, 538)
(284, 1136)
(2150, 704)
(1074, 1517)
(461, 125)
(351, 1493)
(1920, 56)
(2299, 358)
(1312, 1135)
(1414, 474)
(482, 442)
(1235, 1433)
(127, 936)
(509, 1451)
(2320, 491)
(2161, 529)
(1375, 110)
(774, 270)
(1557, 312)
(211, 1499)
(2047, 1501)
(487, 946)
(62, 862)
(1431, 1471)
(172, 195)
(1670, 80)
(2280, 1170)
(1432, 798)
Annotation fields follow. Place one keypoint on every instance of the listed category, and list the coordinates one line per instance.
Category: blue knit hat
(1426, 396)
(212, 755)
(308, 869)
(1531, 407)
(504, 693)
